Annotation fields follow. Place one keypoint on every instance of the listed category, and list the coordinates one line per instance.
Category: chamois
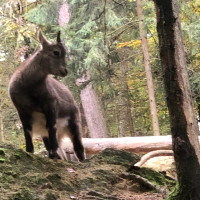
(45, 106)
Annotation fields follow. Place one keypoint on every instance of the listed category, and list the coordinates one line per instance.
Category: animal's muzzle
(63, 72)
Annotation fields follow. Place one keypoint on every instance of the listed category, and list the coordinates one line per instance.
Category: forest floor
(110, 175)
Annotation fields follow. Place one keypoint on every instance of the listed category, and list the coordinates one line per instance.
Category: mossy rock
(154, 177)
(25, 176)
(116, 157)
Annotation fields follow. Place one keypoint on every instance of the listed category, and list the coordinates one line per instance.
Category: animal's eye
(56, 53)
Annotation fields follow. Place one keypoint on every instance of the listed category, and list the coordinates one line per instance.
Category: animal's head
(53, 54)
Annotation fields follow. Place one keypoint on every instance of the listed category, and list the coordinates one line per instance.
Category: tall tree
(147, 65)
(89, 99)
(125, 121)
(89, 49)
(1, 125)
(183, 122)
(92, 108)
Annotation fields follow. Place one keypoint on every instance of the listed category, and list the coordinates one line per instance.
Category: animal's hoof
(53, 155)
(81, 157)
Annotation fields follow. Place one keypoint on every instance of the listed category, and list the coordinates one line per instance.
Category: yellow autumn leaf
(22, 146)
(132, 43)
(144, 7)
(141, 74)
(197, 55)
(130, 82)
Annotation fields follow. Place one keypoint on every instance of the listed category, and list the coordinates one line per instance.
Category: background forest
(105, 60)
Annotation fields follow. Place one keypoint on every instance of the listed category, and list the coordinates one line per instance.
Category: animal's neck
(32, 72)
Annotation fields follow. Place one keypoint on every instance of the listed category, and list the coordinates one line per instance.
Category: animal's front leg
(27, 126)
(51, 127)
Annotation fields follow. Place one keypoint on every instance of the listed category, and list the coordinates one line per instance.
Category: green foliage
(45, 14)
(99, 36)
(87, 39)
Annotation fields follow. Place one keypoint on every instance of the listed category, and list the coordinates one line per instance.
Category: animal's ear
(43, 40)
(58, 37)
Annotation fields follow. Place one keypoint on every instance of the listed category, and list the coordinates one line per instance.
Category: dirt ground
(108, 175)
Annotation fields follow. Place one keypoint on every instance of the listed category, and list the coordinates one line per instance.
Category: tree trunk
(139, 145)
(1, 127)
(182, 116)
(125, 121)
(198, 107)
(143, 35)
(92, 109)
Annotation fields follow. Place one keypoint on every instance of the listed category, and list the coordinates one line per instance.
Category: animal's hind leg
(60, 151)
(76, 139)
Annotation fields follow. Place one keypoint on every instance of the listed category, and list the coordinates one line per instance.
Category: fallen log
(141, 145)
(152, 154)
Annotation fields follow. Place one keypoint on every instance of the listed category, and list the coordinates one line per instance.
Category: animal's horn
(58, 37)
(43, 40)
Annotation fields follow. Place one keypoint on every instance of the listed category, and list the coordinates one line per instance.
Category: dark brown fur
(45, 106)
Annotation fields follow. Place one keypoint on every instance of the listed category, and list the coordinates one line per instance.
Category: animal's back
(65, 102)
(58, 90)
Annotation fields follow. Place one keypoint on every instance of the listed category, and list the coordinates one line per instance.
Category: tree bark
(140, 145)
(143, 35)
(125, 120)
(1, 127)
(182, 116)
(92, 109)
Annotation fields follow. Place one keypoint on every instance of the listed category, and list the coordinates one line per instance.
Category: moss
(21, 155)
(11, 173)
(116, 157)
(6, 178)
(179, 193)
(41, 180)
(24, 176)
(155, 177)
(51, 196)
(54, 178)
(57, 183)
(2, 160)
(2, 152)
(174, 193)
(106, 176)
(86, 183)
(2, 155)
(24, 194)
